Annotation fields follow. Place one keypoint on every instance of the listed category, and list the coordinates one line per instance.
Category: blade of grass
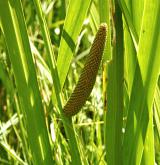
(113, 125)
(145, 80)
(50, 53)
(131, 36)
(76, 14)
(130, 58)
(129, 23)
(12, 153)
(157, 109)
(94, 17)
(104, 11)
(157, 125)
(6, 79)
(74, 148)
(148, 153)
(25, 76)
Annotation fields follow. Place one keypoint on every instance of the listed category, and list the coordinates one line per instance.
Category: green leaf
(104, 11)
(57, 100)
(144, 84)
(114, 115)
(20, 56)
(76, 14)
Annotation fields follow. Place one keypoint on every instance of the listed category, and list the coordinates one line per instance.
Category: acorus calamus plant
(88, 76)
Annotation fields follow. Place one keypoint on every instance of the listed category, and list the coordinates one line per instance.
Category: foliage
(43, 48)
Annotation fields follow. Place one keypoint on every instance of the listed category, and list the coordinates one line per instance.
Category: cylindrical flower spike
(88, 76)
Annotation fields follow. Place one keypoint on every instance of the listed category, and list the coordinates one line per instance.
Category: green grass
(43, 48)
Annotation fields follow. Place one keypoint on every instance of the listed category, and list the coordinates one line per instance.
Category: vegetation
(43, 48)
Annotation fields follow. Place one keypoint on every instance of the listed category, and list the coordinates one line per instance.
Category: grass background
(43, 47)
